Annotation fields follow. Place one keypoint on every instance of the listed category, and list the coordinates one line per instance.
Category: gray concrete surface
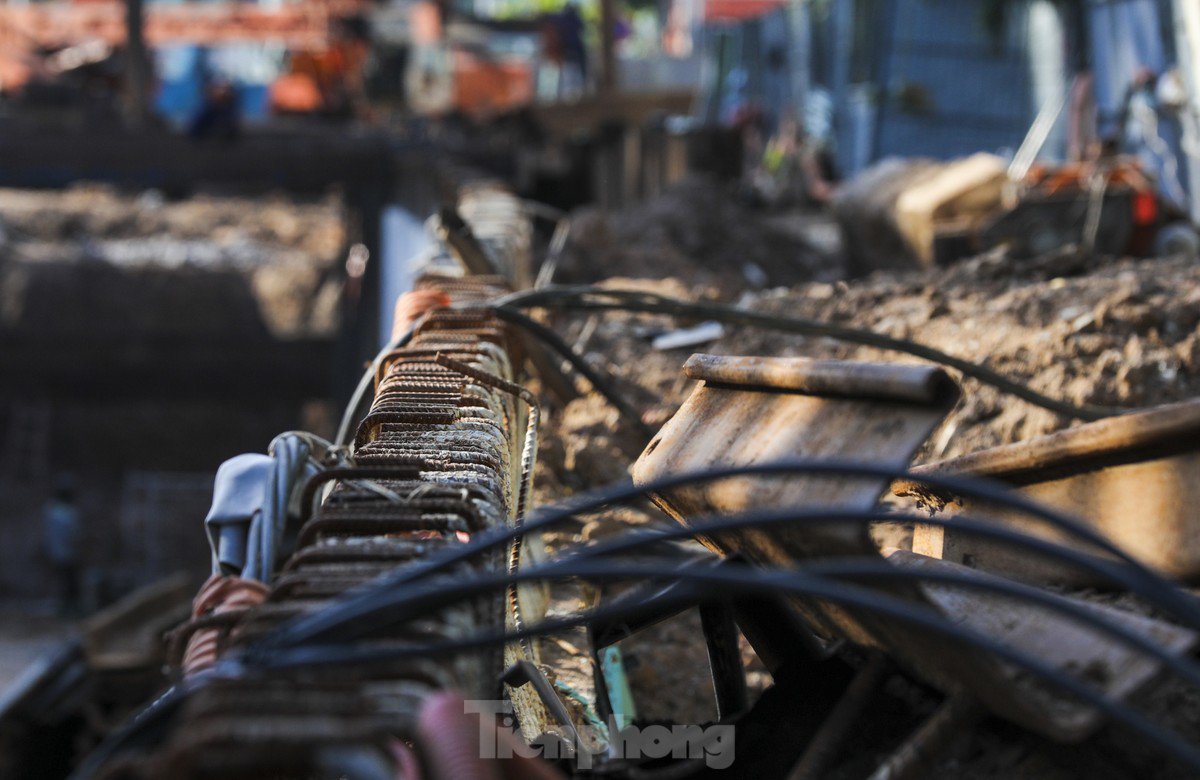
(26, 636)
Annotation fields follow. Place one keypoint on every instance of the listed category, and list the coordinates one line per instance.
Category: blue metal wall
(977, 85)
(902, 77)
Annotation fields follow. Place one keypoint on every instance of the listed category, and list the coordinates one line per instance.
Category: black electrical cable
(128, 735)
(851, 569)
(366, 604)
(881, 568)
(715, 524)
(419, 601)
(1081, 612)
(354, 409)
(438, 595)
(592, 298)
(1139, 579)
(727, 582)
(603, 384)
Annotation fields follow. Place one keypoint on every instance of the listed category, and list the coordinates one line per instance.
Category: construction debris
(703, 333)
(972, 669)
(923, 213)
(766, 418)
(1120, 332)
(1091, 329)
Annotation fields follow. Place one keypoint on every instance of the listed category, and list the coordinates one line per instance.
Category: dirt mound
(1115, 332)
(1119, 333)
(697, 231)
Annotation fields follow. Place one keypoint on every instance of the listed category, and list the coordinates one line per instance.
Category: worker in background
(1083, 142)
(62, 544)
(341, 68)
(1149, 129)
(220, 115)
(561, 35)
(429, 78)
(552, 49)
(574, 78)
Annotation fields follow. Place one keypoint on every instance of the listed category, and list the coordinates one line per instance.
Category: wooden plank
(1135, 479)
(730, 424)
(1126, 438)
(725, 425)
(719, 426)
(1116, 669)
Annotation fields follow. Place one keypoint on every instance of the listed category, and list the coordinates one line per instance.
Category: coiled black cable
(603, 384)
(725, 583)
(1132, 574)
(433, 596)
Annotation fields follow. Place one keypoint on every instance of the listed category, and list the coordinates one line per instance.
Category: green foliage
(525, 9)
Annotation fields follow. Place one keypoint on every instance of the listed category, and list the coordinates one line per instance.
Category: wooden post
(136, 78)
(608, 46)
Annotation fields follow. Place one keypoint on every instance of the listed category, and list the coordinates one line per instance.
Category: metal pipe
(830, 737)
(934, 735)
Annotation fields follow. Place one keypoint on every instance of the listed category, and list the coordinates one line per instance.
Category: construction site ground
(27, 638)
(1098, 330)
(1089, 329)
